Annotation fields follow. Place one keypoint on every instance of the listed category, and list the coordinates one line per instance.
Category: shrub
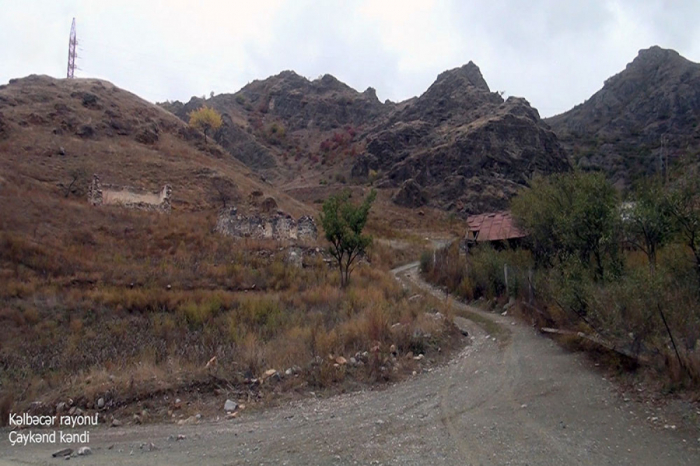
(479, 274)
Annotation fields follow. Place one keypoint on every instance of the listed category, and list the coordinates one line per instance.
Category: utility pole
(72, 54)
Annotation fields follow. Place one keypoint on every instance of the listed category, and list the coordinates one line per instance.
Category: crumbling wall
(279, 226)
(126, 196)
(306, 228)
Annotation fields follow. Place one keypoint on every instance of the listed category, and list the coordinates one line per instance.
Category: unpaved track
(520, 400)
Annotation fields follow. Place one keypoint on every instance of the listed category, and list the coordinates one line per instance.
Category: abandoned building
(126, 196)
(278, 226)
(497, 228)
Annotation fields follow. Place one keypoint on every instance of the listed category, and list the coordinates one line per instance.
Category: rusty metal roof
(495, 226)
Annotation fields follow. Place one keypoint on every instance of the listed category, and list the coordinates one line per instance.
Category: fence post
(466, 258)
(505, 274)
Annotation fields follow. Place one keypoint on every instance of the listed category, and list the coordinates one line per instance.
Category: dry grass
(127, 303)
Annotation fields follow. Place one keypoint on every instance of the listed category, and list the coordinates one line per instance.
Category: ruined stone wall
(306, 228)
(126, 196)
(279, 226)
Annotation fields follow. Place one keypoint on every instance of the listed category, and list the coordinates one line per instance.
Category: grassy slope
(123, 304)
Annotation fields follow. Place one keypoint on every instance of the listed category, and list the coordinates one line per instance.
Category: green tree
(572, 214)
(205, 119)
(684, 201)
(647, 220)
(343, 223)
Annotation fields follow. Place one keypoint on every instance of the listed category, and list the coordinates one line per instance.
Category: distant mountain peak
(371, 93)
(290, 77)
(469, 73)
(288, 74)
(619, 128)
(655, 54)
(655, 58)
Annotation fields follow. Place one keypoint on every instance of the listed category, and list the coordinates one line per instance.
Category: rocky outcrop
(243, 146)
(463, 148)
(289, 103)
(410, 195)
(643, 116)
(279, 226)
(325, 103)
(363, 167)
(457, 96)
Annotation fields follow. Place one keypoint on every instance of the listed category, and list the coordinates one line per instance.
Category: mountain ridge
(456, 129)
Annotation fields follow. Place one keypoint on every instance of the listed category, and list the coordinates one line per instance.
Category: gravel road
(517, 399)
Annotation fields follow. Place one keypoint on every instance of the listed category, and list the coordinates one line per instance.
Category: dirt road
(517, 399)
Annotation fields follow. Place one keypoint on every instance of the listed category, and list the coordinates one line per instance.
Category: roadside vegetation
(622, 270)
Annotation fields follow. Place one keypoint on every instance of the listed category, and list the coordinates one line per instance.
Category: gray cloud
(555, 53)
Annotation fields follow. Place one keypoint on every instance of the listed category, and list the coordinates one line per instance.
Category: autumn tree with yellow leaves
(205, 119)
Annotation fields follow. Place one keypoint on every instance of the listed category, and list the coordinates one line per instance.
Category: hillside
(457, 147)
(285, 126)
(127, 305)
(57, 132)
(642, 116)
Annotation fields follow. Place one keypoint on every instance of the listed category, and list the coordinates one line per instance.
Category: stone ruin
(279, 226)
(126, 196)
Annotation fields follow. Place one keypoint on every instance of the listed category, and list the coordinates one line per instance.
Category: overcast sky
(555, 53)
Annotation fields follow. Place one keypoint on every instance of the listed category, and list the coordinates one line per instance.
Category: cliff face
(461, 146)
(464, 147)
(642, 116)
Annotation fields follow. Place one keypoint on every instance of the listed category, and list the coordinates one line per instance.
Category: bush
(479, 274)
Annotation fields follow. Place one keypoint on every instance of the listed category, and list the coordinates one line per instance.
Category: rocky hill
(458, 147)
(285, 124)
(642, 116)
(461, 147)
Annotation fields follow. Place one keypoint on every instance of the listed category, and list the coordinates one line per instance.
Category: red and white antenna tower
(72, 54)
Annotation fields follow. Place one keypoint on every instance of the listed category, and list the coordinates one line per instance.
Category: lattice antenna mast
(72, 54)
